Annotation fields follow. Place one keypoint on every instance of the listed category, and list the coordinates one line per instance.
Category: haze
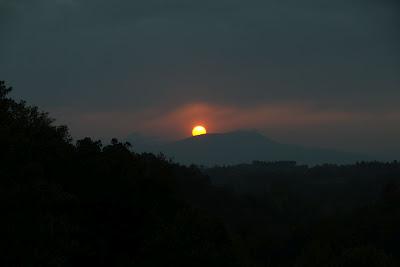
(317, 73)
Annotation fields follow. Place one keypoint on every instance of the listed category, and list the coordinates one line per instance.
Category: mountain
(243, 147)
(143, 143)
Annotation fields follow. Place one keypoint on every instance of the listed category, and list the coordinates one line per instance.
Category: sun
(199, 130)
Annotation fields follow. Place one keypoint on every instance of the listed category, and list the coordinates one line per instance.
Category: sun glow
(199, 130)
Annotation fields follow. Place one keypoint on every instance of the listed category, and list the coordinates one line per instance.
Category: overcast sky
(319, 73)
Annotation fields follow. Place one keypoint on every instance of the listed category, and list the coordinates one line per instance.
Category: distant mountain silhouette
(243, 147)
(143, 143)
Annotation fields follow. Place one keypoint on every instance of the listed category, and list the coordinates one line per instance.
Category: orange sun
(199, 130)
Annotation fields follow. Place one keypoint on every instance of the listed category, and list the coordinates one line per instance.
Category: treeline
(89, 204)
(330, 187)
(86, 204)
(328, 215)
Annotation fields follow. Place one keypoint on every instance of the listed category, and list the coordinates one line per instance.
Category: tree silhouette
(89, 204)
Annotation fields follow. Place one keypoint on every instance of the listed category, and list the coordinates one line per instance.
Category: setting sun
(199, 130)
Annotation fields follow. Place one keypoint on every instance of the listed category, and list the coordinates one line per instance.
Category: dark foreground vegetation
(85, 204)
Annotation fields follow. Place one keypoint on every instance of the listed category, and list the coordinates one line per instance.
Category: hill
(82, 204)
(244, 147)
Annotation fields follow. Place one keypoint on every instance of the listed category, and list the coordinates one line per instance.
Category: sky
(317, 73)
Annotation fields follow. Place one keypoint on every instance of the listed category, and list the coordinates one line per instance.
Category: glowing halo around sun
(199, 130)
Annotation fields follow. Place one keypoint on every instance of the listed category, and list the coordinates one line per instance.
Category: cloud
(97, 60)
(286, 122)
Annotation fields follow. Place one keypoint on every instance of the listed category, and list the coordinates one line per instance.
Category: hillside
(88, 204)
(243, 147)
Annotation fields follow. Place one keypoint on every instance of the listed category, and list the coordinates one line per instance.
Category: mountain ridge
(244, 147)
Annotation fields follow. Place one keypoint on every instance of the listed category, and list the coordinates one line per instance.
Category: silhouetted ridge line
(245, 147)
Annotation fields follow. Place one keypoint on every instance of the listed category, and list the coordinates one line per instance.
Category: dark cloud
(130, 56)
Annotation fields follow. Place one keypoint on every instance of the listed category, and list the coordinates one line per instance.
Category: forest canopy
(69, 203)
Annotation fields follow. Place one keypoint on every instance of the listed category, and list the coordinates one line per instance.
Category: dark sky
(322, 73)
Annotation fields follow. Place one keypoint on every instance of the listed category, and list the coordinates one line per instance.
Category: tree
(4, 90)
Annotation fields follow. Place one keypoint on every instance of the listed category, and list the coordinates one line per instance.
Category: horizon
(304, 73)
(218, 133)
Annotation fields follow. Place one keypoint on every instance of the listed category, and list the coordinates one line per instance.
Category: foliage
(94, 205)
(90, 204)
